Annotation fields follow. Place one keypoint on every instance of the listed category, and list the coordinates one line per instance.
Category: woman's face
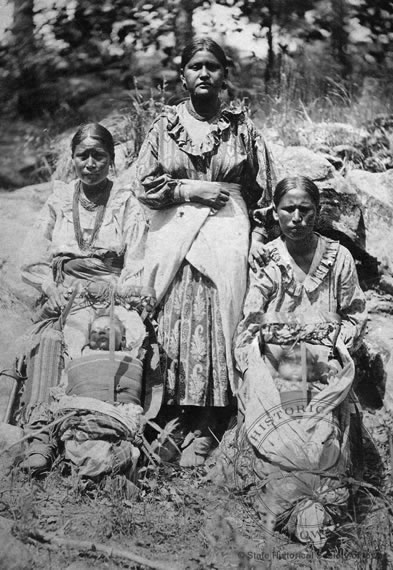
(91, 161)
(204, 75)
(296, 213)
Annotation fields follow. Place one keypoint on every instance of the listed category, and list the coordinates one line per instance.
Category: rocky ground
(178, 519)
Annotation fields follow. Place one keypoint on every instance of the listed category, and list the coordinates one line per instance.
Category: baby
(100, 331)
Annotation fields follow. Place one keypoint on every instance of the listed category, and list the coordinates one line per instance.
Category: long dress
(298, 332)
(196, 257)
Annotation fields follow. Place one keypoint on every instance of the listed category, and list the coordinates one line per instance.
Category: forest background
(290, 59)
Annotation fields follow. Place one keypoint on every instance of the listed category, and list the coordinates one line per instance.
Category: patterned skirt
(191, 336)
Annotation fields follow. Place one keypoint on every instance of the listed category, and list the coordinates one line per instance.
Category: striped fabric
(45, 364)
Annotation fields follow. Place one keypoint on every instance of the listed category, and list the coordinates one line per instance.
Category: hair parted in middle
(201, 44)
(98, 132)
(293, 182)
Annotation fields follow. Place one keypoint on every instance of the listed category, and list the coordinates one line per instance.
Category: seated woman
(304, 315)
(84, 255)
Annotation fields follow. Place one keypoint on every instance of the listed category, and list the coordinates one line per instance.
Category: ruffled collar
(177, 131)
(324, 259)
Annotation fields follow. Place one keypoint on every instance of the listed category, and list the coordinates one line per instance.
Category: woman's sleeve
(262, 211)
(159, 189)
(260, 292)
(351, 302)
(36, 256)
(134, 238)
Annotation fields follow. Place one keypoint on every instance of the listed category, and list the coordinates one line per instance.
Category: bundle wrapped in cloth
(297, 414)
(104, 390)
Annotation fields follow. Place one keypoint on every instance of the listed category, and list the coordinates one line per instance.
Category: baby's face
(99, 334)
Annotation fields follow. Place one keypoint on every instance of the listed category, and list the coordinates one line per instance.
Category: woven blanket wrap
(44, 366)
(98, 444)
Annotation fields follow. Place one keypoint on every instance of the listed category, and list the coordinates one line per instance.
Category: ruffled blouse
(122, 232)
(231, 151)
(331, 286)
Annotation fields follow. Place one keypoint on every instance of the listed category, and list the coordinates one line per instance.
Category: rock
(376, 379)
(19, 209)
(35, 101)
(78, 89)
(317, 135)
(341, 218)
(14, 555)
(386, 284)
(298, 160)
(102, 105)
(11, 179)
(9, 435)
(341, 211)
(376, 196)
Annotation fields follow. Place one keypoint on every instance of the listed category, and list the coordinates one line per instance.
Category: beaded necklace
(99, 205)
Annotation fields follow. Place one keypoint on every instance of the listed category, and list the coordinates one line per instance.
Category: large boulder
(298, 160)
(375, 192)
(18, 213)
(14, 555)
(376, 375)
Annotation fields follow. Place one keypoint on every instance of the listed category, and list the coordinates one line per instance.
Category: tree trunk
(183, 24)
(23, 25)
(23, 48)
(269, 70)
(340, 36)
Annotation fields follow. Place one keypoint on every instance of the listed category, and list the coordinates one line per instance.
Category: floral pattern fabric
(192, 339)
(330, 287)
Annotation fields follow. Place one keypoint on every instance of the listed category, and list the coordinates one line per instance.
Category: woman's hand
(213, 194)
(57, 296)
(258, 255)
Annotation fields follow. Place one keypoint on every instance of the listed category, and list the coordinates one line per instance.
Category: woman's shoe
(35, 463)
(195, 450)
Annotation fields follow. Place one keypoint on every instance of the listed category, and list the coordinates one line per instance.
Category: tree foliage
(96, 36)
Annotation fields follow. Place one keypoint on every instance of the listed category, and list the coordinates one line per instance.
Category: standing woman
(204, 170)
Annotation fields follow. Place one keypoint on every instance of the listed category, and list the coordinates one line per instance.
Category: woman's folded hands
(212, 194)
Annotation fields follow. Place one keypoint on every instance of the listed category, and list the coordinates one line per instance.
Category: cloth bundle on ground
(99, 439)
(300, 436)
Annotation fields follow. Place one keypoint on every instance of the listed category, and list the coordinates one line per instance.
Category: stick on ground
(84, 545)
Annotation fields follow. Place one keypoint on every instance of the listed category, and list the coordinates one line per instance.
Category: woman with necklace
(88, 241)
(204, 170)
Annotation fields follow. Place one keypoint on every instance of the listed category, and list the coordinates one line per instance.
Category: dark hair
(292, 182)
(95, 131)
(200, 44)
